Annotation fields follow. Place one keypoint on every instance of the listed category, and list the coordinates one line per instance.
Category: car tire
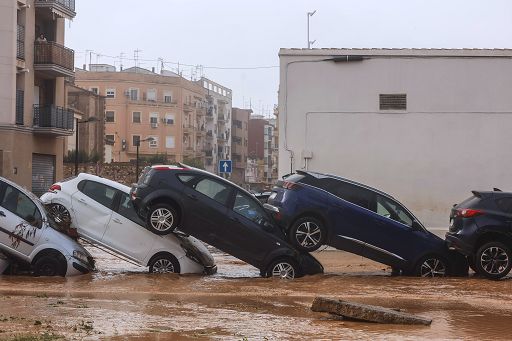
(164, 263)
(307, 234)
(493, 260)
(432, 266)
(60, 214)
(50, 265)
(283, 268)
(162, 219)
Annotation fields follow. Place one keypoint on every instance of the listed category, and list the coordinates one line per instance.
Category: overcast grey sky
(239, 33)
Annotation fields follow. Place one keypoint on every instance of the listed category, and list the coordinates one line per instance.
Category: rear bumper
(455, 242)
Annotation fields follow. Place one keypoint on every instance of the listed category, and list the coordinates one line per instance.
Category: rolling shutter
(43, 173)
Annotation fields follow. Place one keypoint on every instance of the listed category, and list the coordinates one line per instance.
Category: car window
(352, 193)
(249, 208)
(127, 210)
(99, 192)
(505, 205)
(20, 204)
(213, 189)
(184, 178)
(391, 209)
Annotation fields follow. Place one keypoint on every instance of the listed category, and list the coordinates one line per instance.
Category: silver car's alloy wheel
(433, 267)
(283, 270)
(494, 260)
(162, 219)
(308, 234)
(59, 213)
(163, 266)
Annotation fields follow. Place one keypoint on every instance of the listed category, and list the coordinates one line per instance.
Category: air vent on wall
(392, 102)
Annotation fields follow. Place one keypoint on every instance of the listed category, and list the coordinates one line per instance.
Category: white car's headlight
(81, 256)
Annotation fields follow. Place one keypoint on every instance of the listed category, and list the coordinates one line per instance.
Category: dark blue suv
(316, 209)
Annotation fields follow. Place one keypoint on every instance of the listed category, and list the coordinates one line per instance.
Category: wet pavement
(121, 301)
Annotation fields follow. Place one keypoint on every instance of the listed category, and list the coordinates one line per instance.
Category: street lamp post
(310, 14)
(137, 145)
(90, 119)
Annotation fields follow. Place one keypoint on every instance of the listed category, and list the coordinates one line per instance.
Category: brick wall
(123, 172)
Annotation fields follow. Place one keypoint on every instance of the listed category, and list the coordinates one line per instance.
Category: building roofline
(398, 52)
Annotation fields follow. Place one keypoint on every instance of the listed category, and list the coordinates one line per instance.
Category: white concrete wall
(455, 136)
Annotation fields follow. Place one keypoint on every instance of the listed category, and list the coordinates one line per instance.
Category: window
(170, 142)
(169, 118)
(393, 102)
(505, 205)
(109, 116)
(111, 93)
(184, 178)
(18, 203)
(151, 95)
(134, 94)
(101, 193)
(127, 210)
(136, 117)
(167, 97)
(391, 209)
(135, 140)
(205, 84)
(95, 90)
(153, 143)
(153, 118)
(110, 139)
(214, 190)
(357, 195)
(249, 208)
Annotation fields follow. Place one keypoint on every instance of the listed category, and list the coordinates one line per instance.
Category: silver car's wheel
(162, 219)
(60, 214)
(283, 269)
(432, 267)
(164, 264)
(493, 260)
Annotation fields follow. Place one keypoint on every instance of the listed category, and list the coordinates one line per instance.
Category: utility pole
(310, 14)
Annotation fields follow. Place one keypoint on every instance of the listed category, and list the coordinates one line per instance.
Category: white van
(28, 234)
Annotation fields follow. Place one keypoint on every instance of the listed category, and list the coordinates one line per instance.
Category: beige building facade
(141, 104)
(34, 119)
(425, 125)
(240, 143)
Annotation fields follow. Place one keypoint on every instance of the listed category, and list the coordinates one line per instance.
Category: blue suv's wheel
(307, 234)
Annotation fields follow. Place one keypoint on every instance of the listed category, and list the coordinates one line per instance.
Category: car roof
(332, 176)
(111, 183)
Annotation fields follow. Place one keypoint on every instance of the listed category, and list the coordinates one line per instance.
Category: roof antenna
(496, 189)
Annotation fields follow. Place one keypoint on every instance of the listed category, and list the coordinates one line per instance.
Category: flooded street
(121, 301)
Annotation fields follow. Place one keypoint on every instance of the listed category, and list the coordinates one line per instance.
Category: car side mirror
(416, 226)
(271, 208)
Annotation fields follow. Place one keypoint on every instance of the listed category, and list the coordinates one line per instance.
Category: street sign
(225, 166)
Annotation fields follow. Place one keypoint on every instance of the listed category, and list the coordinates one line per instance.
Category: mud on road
(122, 302)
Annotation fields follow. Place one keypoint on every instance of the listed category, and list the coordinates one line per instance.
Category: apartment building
(164, 112)
(34, 62)
(218, 123)
(425, 125)
(91, 134)
(239, 143)
(270, 154)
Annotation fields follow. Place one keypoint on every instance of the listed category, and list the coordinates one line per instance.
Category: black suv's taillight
(467, 213)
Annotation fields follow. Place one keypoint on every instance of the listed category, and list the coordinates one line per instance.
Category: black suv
(219, 213)
(481, 229)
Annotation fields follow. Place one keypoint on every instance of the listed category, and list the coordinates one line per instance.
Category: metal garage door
(43, 173)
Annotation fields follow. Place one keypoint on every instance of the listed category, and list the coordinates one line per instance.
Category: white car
(102, 213)
(29, 235)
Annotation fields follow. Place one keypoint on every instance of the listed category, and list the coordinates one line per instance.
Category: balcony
(221, 138)
(20, 42)
(200, 111)
(20, 106)
(53, 120)
(208, 153)
(188, 106)
(54, 60)
(62, 8)
(209, 135)
(188, 129)
(221, 119)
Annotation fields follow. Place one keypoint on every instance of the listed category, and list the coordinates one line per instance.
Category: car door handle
(192, 196)
(235, 219)
(115, 220)
(82, 201)
(2, 214)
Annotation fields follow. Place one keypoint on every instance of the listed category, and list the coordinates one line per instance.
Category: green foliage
(154, 159)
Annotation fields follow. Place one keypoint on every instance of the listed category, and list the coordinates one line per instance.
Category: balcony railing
(20, 42)
(53, 54)
(51, 116)
(64, 8)
(20, 106)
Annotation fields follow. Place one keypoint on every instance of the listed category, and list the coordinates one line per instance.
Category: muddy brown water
(122, 301)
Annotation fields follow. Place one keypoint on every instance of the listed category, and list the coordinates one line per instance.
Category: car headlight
(81, 256)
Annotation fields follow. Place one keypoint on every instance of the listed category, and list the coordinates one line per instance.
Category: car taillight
(468, 213)
(54, 188)
(291, 185)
